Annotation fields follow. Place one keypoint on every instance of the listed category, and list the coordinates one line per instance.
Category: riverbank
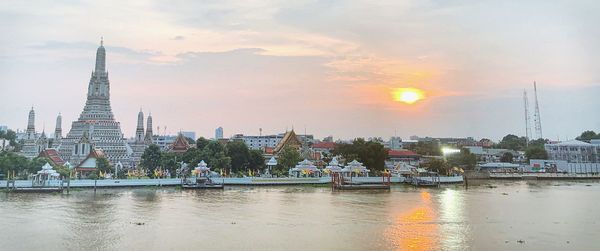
(247, 181)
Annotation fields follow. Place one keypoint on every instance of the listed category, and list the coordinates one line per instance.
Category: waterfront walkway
(248, 181)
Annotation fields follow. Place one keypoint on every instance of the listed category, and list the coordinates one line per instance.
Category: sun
(408, 95)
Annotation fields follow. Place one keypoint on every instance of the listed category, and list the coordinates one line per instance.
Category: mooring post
(95, 183)
(68, 184)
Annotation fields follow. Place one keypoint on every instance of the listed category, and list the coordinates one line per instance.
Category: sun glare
(408, 95)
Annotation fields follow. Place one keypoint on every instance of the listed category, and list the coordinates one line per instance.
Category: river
(515, 215)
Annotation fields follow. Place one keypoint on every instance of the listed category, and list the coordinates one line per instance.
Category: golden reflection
(416, 229)
(408, 95)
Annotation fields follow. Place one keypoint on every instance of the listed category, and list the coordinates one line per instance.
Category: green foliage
(201, 143)
(371, 154)
(431, 148)
(438, 165)
(536, 152)
(507, 157)
(287, 158)
(588, 135)
(11, 162)
(151, 158)
(239, 154)
(168, 161)
(102, 165)
(257, 161)
(512, 142)
(464, 159)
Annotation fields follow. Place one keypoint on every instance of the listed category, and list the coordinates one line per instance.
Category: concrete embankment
(248, 181)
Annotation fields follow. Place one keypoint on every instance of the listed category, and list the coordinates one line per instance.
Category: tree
(169, 162)
(201, 143)
(536, 152)
(239, 154)
(102, 165)
(288, 157)
(371, 154)
(257, 161)
(507, 157)
(151, 158)
(438, 165)
(11, 162)
(431, 148)
(464, 159)
(512, 142)
(588, 135)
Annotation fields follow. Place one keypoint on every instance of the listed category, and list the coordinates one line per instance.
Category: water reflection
(416, 228)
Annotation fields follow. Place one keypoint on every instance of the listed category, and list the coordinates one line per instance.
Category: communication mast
(527, 118)
(536, 116)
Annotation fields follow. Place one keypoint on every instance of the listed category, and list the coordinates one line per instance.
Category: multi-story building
(269, 141)
(574, 151)
(219, 133)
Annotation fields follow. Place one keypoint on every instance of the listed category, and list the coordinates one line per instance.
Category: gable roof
(89, 163)
(52, 155)
(180, 144)
(290, 138)
(324, 145)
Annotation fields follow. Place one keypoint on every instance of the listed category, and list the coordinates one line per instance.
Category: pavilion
(355, 167)
(305, 168)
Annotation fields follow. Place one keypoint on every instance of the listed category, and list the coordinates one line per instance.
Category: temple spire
(31, 124)
(101, 58)
(139, 132)
(149, 133)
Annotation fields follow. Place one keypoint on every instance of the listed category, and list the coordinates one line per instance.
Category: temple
(290, 139)
(180, 145)
(96, 127)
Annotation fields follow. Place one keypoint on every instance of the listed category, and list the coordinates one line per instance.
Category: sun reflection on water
(416, 228)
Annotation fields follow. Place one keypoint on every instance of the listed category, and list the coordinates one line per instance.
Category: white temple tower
(97, 121)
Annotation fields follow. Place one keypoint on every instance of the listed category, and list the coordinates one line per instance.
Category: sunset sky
(330, 67)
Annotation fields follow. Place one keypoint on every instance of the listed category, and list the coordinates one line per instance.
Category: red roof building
(53, 156)
(403, 155)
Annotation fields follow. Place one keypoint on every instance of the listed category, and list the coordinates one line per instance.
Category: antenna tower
(536, 116)
(527, 118)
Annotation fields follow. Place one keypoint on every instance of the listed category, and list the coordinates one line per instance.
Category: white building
(260, 142)
(574, 151)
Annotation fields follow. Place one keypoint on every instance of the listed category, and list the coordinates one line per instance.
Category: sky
(324, 67)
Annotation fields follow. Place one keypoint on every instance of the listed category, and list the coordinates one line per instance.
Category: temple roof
(180, 144)
(53, 156)
(290, 139)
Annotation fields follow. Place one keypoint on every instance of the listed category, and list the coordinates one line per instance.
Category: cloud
(178, 38)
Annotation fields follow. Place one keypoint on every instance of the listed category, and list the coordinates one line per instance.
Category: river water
(515, 215)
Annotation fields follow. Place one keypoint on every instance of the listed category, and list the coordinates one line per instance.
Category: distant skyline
(330, 67)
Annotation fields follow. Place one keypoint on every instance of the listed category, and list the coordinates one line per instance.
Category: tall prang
(138, 146)
(30, 149)
(58, 132)
(97, 121)
(149, 140)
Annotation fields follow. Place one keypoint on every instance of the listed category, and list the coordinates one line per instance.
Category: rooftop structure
(180, 145)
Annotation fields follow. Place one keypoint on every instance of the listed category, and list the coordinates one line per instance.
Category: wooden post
(68, 184)
(95, 182)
